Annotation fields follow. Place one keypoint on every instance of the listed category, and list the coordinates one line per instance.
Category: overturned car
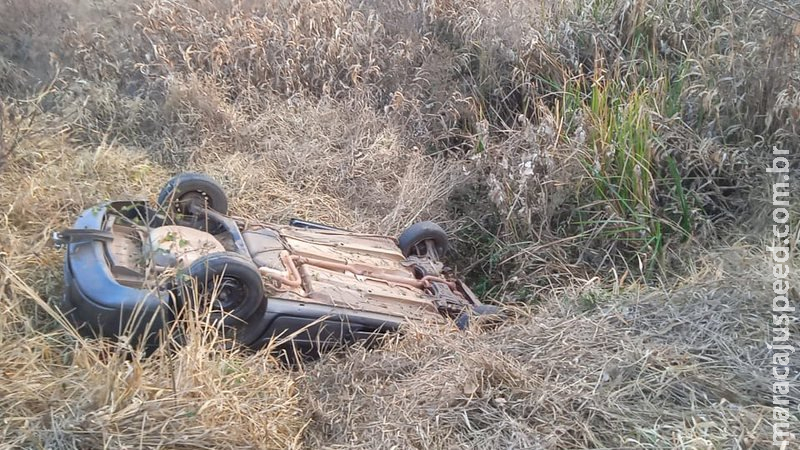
(130, 269)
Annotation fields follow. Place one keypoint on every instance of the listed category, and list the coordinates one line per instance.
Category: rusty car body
(130, 269)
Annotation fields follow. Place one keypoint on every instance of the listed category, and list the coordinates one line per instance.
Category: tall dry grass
(582, 154)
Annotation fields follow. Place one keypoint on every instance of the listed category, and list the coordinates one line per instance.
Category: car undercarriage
(127, 266)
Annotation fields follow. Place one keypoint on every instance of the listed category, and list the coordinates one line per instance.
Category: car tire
(237, 284)
(479, 313)
(248, 332)
(420, 232)
(184, 188)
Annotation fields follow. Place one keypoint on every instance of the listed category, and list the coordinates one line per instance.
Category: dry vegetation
(599, 162)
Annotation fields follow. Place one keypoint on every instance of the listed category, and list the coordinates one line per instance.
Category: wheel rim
(422, 248)
(230, 293)
(185, 201)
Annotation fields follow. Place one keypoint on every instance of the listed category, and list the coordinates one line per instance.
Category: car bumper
(95, 302)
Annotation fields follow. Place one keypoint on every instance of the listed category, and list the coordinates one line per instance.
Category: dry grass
(60, 391)
(643, 372)
(590, 159)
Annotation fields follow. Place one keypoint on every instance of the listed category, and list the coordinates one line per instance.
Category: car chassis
(321, 286)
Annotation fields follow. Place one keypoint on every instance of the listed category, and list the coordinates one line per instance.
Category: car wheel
(413, 241)
(482, 314)
(186, 188)
(230, 286)
(249, 331)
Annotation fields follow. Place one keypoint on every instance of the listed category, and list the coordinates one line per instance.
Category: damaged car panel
(126, 267)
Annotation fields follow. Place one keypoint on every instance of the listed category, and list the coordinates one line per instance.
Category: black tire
(482, 314)
(237, 283)
(183, 189)
(420, 232)
(249, 331)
